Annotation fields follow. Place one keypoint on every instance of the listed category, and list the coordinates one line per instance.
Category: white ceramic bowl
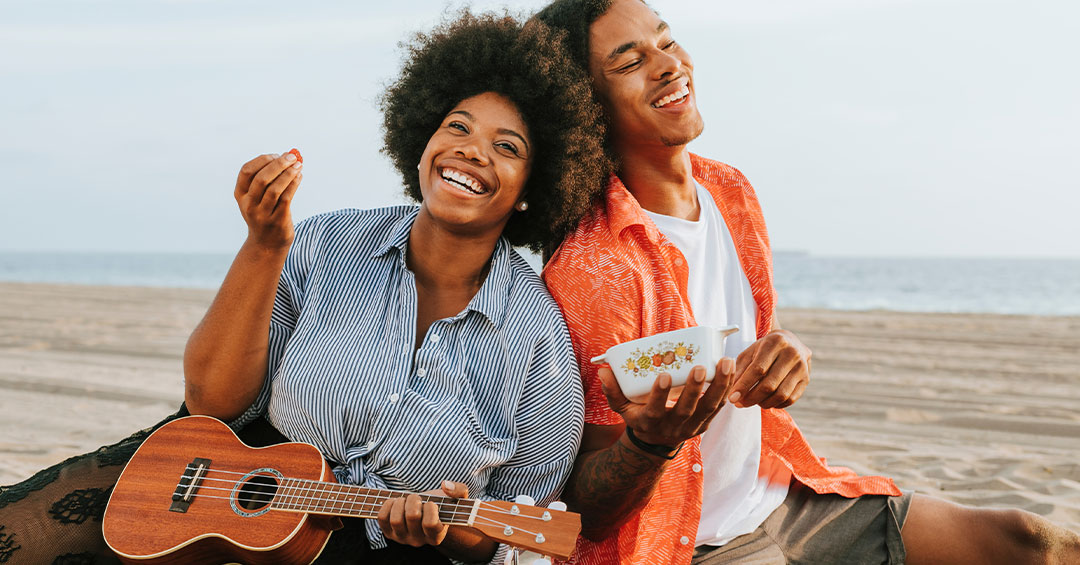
(638, 363)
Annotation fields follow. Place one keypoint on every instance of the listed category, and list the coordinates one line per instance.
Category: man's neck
(661, 180)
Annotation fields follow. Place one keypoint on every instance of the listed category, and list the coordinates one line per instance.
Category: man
(724, 476)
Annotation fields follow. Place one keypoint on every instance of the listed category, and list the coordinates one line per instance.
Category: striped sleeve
(287, 304)
(549, 421)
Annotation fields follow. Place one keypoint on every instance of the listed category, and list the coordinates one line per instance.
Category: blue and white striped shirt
(491, 397)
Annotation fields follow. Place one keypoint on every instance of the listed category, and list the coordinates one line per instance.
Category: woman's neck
(445, 260)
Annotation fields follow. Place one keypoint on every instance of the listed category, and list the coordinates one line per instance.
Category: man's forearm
(610, 484)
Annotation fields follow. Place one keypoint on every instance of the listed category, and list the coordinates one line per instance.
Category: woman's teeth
(678, 95)
(463, 180)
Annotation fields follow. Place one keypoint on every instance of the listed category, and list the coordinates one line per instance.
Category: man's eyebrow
(632, 44)
(622, 49)
(505, 131)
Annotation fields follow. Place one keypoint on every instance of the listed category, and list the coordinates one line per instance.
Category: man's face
(643, 78)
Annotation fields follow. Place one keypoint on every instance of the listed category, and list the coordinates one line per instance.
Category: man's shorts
(810, 528)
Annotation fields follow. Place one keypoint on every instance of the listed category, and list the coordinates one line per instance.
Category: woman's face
(474, 168)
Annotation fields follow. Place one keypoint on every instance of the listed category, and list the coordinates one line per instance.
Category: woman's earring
(418, 166)
(522, 206)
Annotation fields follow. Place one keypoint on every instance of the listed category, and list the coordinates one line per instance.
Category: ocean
(1003, 286)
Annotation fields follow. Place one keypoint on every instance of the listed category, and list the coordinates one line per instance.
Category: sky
(871, 128)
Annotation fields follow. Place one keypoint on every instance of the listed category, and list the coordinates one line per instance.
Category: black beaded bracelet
(652, 448)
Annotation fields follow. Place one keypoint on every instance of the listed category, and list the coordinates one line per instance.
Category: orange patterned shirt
(618, 278)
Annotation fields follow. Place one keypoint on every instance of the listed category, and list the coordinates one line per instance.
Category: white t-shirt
(740, 490)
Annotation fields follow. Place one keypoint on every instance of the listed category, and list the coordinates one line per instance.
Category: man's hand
(773, 372)
(657, 423)
(411, 521)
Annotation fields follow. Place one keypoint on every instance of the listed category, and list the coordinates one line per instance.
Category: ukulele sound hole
(257, 492)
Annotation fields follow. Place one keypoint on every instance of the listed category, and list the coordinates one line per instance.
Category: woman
(385, 336)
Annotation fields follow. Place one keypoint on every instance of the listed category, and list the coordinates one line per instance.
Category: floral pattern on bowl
(665, 356)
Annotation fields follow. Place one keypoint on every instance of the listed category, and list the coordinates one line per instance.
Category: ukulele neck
(301, 495)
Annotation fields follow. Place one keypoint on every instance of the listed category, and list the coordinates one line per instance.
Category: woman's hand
(264, 188)
(411, 521)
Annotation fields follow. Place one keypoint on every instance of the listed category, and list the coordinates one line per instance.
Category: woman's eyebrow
(463, 113)
(505, 131)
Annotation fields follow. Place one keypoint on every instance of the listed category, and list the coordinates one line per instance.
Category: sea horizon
(997, 285)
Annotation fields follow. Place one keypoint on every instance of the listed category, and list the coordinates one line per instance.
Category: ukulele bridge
(189, 484)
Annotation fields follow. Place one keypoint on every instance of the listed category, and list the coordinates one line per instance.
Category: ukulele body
(144, 523)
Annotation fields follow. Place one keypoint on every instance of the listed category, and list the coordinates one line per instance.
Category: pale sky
(868, 127)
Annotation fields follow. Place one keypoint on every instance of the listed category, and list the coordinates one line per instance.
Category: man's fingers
(615, 397)
(656, 404)
(691, 393)
(783, 391)
(713, 399)
(795, 394)
(779, 372)
(752, 374)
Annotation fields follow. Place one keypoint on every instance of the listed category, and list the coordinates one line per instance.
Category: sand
(979, 409)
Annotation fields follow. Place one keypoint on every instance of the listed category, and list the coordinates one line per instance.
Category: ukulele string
(292, 496)
(289, 496)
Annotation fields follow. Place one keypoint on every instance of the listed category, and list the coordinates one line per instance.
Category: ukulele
(194, 493)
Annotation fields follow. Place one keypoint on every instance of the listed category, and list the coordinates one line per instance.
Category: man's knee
(1034, 538)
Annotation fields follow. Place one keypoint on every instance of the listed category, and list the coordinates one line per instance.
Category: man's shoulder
(590, 250)
(708, 171)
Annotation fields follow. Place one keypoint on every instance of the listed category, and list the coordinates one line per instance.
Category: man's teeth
(464, 180)
(672, 97)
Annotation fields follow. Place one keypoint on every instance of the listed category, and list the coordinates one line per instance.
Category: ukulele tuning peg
(558, 505)
(525, 499)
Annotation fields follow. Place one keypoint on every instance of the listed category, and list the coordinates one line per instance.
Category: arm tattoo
(610, 484)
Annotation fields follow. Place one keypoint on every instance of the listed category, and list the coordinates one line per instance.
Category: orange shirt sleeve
(601, 310)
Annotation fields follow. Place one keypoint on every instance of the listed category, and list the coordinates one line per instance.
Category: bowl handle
(718, 337)
(599, 359)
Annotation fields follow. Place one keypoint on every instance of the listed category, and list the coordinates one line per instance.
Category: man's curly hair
(528, 64)
(574, 17)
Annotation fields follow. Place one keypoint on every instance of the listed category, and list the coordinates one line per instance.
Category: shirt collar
(494, 295)
(398, 236)
(492, 298)
(624, 211)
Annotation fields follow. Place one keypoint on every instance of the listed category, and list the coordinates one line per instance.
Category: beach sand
(979, 409)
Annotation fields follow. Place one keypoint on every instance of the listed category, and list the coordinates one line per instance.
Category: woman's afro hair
(528, 64)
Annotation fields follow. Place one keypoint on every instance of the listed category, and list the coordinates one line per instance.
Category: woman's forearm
(467, 544)
(225, 361)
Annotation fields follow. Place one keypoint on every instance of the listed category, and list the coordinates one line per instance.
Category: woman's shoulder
(528, 293)
(372, 225)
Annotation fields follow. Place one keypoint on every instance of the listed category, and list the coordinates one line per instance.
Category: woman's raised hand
(264, 188)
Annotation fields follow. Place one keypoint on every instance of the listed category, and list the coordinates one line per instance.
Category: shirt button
(684, 540)
(678, 262)
(435, 338)
(394, 398)
(421, 372)
(370, 445)
(697, 468)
